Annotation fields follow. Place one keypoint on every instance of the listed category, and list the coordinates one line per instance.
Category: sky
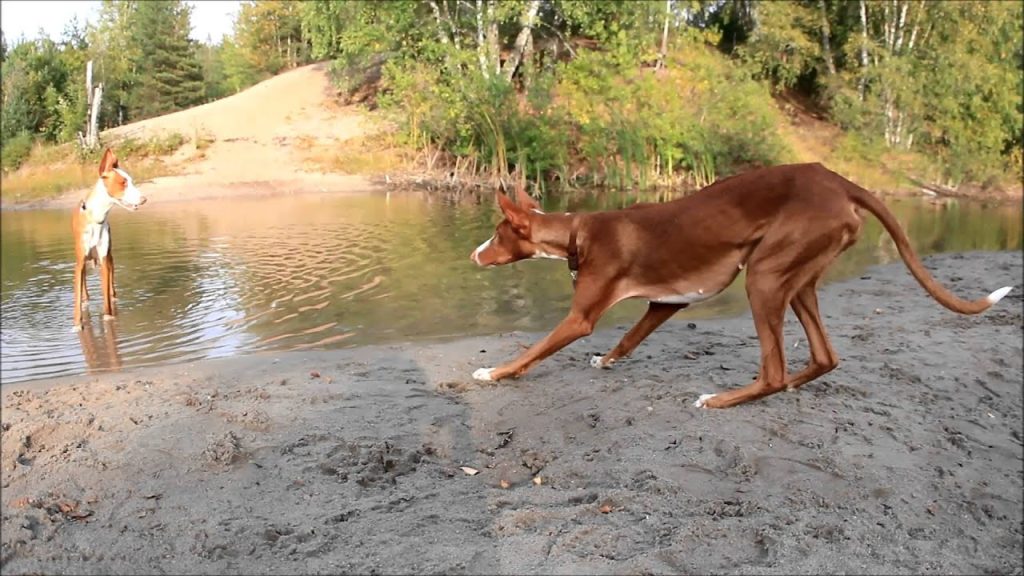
(210, 18)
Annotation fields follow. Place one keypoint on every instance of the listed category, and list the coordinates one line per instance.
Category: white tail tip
(999, 294)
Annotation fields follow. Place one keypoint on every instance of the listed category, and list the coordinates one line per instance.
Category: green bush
(159, 145)
(630, 127)
(700, 118)
(475, 118)
(16, 150)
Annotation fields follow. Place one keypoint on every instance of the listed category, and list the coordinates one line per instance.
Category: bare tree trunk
(917, 22)
(663, 53)
(900, 25)
(481, 47)
(826, 48)
(442, 36)
(887, 30)
(525, 33)
(452, 19)
(863, 49)
(493, 45)
(93, 97)
(93, 136)
(528, 71)
(88, 84)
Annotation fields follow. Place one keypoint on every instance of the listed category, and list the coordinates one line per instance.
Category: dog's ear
(516, 216)
(108, 163)
(525, 201)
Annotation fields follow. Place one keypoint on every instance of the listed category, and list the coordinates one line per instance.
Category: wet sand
(906, 459)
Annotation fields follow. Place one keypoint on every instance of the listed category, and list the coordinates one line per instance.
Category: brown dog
(784, 224)
(91, 231)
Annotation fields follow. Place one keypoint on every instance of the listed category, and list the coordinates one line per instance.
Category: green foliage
(173, 77)
(15, 150)
(699, 117)
(40, 93)
(238, 72)
(625, 92)
(215, 78)
(970, 104)
(783, 46)
(269, 34)
(116, 57)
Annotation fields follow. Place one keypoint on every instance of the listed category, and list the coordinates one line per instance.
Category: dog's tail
(869, 202)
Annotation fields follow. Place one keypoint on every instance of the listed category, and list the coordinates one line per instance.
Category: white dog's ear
(516, 215)
(108, 162)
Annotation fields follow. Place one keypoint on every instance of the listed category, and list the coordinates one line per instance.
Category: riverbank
(906, 459)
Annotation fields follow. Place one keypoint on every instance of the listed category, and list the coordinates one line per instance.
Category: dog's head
(511, 240)
(119, 184)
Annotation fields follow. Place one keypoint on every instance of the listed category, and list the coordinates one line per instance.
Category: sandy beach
(907, 459)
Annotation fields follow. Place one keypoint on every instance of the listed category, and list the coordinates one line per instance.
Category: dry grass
(372, 155)
(53, 170)
(46, 182)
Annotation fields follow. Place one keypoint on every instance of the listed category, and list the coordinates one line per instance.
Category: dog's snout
(475, 255)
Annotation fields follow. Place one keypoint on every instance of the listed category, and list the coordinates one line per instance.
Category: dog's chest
(96, 240)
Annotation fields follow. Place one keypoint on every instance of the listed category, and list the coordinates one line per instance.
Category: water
(218, 278)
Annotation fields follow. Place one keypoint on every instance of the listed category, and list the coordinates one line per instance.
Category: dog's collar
(572, 253)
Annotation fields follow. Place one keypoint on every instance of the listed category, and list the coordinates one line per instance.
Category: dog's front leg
(587, 308)
(573, 327)
(79, 288)
(107, 287)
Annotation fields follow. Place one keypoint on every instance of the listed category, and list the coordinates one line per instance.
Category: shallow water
(222, 277)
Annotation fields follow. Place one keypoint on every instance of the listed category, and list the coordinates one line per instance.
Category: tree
(173, 77)
(117, 57)
(72, 106)
(269, 35)
(211, 58)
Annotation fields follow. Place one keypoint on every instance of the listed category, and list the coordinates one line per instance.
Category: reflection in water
(100, 353)
(227, 277)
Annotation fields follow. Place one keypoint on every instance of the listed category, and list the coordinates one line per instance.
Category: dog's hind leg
(823, 357)
(657, 314)
(768, 305)
(784, 272)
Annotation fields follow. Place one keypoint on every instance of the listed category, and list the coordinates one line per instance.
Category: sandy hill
(256, 138)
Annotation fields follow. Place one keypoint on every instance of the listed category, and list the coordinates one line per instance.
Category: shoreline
(186, 188)
(190, 187)
(905, 459)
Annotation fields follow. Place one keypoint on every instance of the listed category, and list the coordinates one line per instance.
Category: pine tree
(170, 74)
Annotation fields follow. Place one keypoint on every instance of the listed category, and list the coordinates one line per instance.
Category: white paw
(700, 403)
(598, 362)
(76, 328)
(108, 317)
(483, 374)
